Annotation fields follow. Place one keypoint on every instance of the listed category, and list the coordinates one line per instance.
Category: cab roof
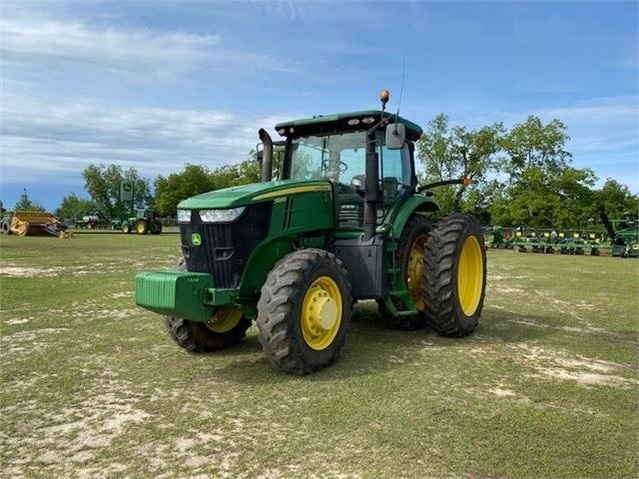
(339, 122)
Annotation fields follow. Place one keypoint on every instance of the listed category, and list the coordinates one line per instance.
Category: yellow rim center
(224, 320)
(470, 276)
(415, 269)
(321, 313)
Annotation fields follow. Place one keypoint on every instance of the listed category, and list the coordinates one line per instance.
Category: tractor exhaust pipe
(371, 194)
(267, 155)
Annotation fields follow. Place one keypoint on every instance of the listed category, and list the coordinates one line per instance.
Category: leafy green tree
(537, 188)
(543, 199)
(74, 208)
(533, 144)
(25, 204)
(103, 185)
(197, 179)
(616, 199)
(169, 191)
(242, 173)
(455, 152)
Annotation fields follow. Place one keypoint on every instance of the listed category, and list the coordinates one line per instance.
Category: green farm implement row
(550, 243)
(620, 239)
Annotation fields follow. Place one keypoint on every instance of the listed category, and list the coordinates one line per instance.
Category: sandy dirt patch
(585, 371)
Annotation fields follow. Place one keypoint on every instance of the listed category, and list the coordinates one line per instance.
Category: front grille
(225, 247)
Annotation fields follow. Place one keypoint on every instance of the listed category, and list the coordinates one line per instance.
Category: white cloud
(46, 141)
(68, 44)
(603, 132)
(597, 126)
(72, 43)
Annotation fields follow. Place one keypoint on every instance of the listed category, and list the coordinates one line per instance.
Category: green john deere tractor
(142, 223)
(345, 221)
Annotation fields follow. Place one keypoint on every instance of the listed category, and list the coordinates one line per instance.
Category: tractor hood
(243, 195)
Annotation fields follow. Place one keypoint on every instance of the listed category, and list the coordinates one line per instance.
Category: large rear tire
(304, 311)
(225, 328)
(155, 227)
(454, 277)
(410, 256)
(141, 227)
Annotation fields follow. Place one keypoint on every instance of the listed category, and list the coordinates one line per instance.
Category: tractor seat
(390, 189)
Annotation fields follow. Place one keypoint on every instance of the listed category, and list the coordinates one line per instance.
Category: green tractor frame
(345, 221)
(142, 223)
(624, 235)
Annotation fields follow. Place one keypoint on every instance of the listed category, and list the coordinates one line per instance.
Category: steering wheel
(342, 167)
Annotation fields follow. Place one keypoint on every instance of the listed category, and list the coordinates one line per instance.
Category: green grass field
(92, 386)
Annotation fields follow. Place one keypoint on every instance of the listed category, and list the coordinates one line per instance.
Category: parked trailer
(36, 223)
(95, 220)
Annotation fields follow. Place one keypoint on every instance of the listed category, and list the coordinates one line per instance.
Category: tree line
(522, 176)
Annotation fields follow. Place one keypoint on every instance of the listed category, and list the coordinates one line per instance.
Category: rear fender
(415, 204)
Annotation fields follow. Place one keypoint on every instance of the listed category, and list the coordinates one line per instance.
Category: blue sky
(157, 84)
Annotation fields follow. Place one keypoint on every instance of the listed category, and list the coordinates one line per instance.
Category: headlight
(184, 216)
(221, 216)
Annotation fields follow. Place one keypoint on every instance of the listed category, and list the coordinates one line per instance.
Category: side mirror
(395, 136)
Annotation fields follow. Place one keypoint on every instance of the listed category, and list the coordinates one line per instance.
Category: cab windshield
(341, 157)
(337, 157)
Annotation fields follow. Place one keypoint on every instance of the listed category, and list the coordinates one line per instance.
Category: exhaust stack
(267, 155)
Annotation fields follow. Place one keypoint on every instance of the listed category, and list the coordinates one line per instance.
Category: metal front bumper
(181, 294)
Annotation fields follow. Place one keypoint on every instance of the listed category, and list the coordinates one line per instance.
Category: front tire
(304, 311)
(126, 228)
(454, 282)
(225, 328)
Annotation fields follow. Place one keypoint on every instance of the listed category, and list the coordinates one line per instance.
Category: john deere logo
(196, 239)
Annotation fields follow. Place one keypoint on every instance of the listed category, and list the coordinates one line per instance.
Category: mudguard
(416, 203)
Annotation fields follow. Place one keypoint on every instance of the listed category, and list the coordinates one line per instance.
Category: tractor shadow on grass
(372, 347)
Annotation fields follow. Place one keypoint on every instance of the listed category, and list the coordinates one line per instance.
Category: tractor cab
(144, 214)
(348, 148)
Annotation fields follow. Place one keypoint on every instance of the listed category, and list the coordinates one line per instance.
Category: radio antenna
(401, 91)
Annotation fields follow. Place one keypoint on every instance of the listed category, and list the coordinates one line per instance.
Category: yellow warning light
(384, 96)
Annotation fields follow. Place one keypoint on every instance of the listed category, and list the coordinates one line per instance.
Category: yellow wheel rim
(224, 320)
(470, 276)
(414, 270)
(321, 313)
(141, 227)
